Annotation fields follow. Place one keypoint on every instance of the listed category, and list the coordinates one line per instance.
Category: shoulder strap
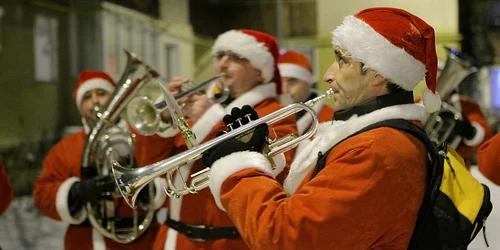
(400, 124)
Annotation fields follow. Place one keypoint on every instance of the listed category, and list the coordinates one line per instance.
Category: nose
(329, 75)
(95, 98)
(223, 62)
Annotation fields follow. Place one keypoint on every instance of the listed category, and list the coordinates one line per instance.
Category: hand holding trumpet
(253, 141)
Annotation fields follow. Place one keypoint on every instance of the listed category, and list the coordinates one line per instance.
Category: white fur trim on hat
(364, 44)
(295, 71)
(431, 101)
(95, 83)
(248, 47)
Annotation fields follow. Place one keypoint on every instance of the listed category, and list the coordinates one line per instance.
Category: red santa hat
(398, 45)
(259, 48)
(92, 80)
(294, 64)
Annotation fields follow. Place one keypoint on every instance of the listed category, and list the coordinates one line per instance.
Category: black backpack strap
(400, 124)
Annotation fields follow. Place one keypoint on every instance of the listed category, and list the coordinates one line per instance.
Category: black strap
(400, 124)
(203, 233)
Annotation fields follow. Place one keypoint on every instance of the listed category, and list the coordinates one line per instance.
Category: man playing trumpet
(248, 58)
(367, 191)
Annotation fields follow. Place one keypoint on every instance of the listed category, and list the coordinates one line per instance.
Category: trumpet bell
(143, 116)
(126, 191)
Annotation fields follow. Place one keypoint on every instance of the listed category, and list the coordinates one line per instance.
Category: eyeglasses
(342, 56)
(233, 57)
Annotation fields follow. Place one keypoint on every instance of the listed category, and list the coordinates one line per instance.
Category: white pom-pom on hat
(431, 101)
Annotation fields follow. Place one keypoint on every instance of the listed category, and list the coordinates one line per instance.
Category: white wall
(443, 15)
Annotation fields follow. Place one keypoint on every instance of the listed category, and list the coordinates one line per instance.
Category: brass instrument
(131, 181)
(101, 147)
(144, 116)
(439, 126)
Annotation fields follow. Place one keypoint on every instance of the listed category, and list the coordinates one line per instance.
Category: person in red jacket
(473, 129)
(488, 160)
(297, 81)
(6, 193)
(249, 60)
(60, 192)
(369, 189)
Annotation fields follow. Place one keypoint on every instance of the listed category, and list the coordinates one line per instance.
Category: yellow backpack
(455, 206)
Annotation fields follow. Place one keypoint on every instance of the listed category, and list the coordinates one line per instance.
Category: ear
(378, 79)
(258, 75)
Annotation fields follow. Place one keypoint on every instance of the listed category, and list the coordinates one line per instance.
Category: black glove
(462, 128)
(144, 197)
(466, 129)
(90, 190)
(255, 141)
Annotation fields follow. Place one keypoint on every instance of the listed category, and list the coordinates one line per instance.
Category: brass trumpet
(130, 182)
(144, 116)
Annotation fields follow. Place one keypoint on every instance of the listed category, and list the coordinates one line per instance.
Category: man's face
(350, 85)
(91, 98)
(241, 76)
(298, 89)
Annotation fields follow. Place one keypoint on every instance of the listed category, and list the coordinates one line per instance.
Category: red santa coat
(62, 168)
(200, 209)
(6, 193)
(367, 196)
(325, 114)
(483, 130)
(488, 161)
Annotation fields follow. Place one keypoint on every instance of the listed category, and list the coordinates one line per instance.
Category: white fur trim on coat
(160, 195)
(295, 71)
(62, 203)
(98, 240)
(364, 44)
(329, 134)
(235, 162)
(216, 112)
(207, 121)
(478, 137)
(248, 47)
(175, 205)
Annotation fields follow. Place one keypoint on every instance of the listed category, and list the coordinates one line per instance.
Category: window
(45, 47)
(172, 60)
